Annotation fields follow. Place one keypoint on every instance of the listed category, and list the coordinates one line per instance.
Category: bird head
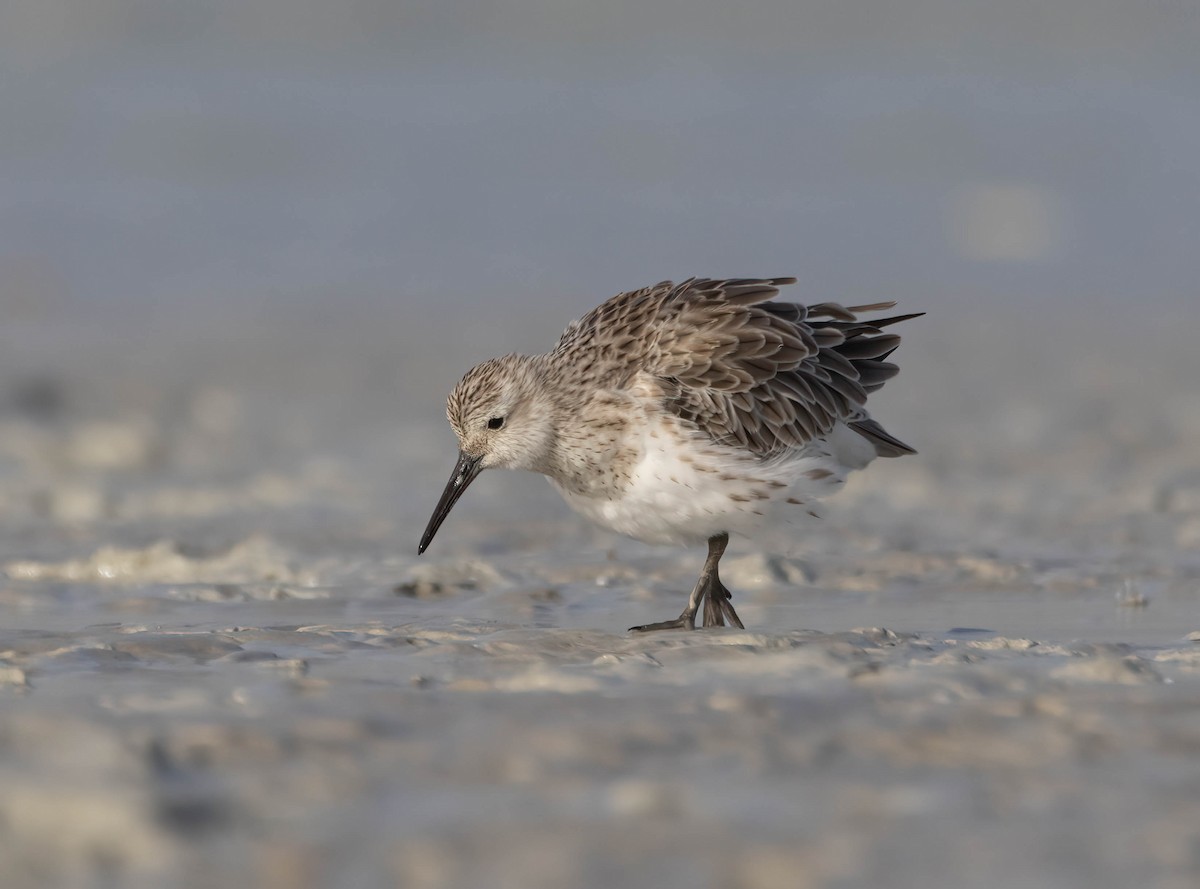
(500, 412)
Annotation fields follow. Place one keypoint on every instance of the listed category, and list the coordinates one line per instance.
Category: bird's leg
(717, 604)
(708, 590)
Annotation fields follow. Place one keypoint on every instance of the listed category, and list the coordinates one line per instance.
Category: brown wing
(626, 333)
(616, 336)
(765, 375)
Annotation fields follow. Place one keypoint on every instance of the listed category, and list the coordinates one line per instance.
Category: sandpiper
(679, 413)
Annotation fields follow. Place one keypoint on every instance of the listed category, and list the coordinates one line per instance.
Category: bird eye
(495, 422)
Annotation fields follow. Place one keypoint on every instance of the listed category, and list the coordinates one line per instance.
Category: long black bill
(464, 473)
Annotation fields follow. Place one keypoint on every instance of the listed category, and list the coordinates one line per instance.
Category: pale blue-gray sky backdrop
(168, 159)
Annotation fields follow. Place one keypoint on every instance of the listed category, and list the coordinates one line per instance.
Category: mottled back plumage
(747, 371)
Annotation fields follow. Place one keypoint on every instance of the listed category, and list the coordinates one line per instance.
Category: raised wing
(767, 376)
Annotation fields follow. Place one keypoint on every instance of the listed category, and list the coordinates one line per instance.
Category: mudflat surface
(222, 662)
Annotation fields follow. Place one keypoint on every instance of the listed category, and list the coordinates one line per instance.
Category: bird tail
(867, 347)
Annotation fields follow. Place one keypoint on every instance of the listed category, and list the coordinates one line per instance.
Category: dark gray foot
(710, 591)
(685, 621)
(677, 624)
(718, 608)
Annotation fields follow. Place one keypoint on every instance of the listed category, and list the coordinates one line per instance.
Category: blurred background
(178, 157)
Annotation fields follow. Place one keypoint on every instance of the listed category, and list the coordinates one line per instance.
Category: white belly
(680, 493)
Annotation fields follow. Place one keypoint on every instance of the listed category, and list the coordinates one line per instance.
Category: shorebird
(680, 413)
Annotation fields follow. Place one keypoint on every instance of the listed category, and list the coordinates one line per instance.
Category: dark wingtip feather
(895, 319)
(886, 444)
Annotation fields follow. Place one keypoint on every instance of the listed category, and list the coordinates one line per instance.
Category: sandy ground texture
(222, 663)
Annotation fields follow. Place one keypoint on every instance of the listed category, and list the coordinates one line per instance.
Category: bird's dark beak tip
(465, 471)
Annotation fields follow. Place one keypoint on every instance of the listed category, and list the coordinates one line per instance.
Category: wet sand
(222, 663)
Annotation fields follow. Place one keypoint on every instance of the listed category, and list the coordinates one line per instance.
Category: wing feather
(764, 375)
